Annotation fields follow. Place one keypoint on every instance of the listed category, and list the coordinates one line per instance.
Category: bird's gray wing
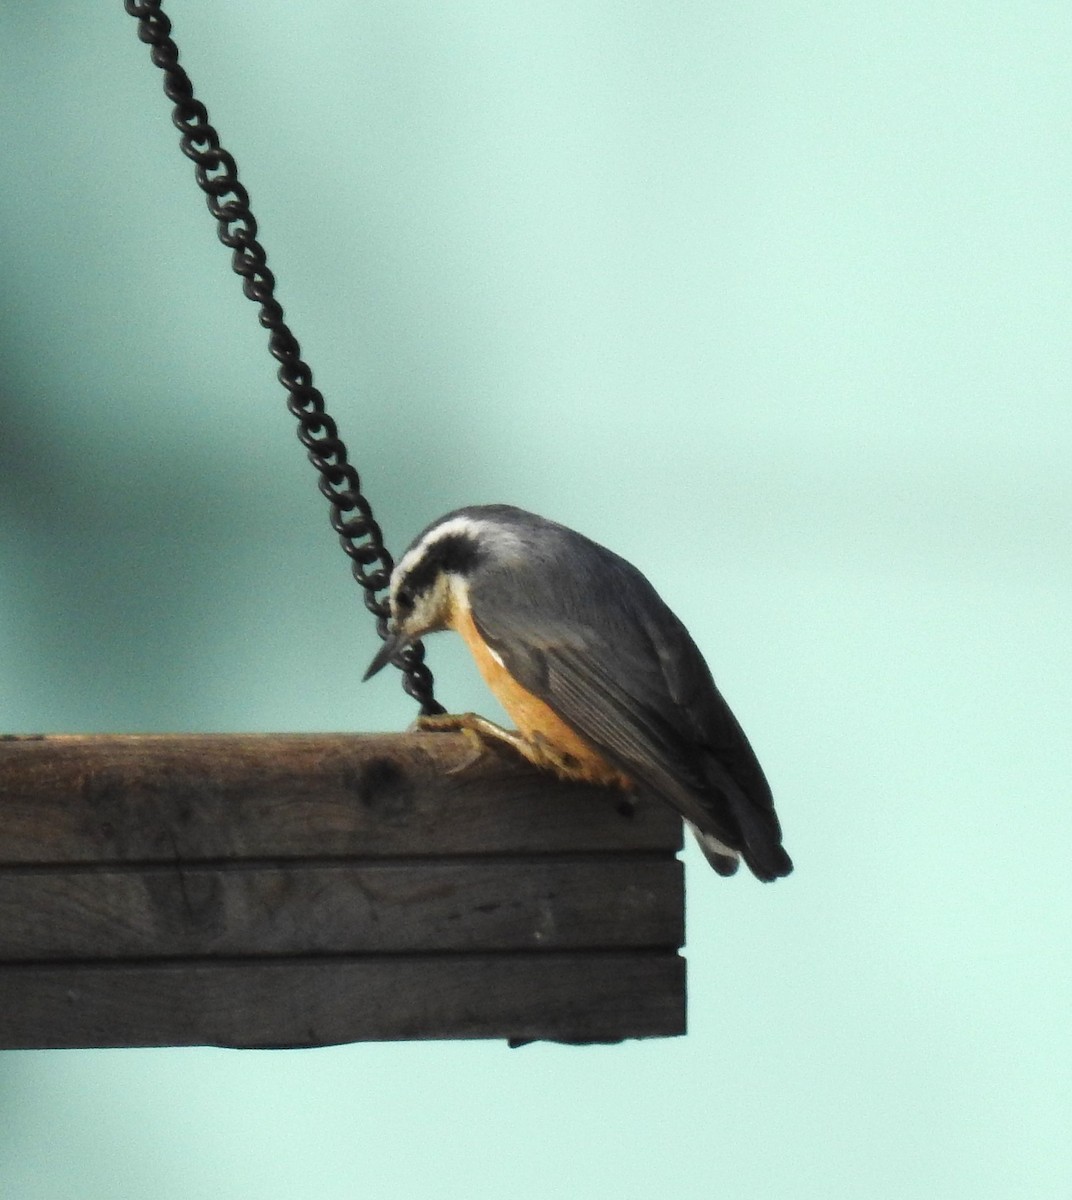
(621, 669)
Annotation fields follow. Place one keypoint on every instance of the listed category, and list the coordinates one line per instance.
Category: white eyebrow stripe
(466, 526)
(456, 525)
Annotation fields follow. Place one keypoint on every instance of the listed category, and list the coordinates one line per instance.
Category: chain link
(228, 201)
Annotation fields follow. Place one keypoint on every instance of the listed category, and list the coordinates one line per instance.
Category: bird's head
(431, 580)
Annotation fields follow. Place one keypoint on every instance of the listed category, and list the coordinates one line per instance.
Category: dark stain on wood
(382, 788)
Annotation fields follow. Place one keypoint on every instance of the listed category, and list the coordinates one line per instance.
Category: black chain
(228, 201)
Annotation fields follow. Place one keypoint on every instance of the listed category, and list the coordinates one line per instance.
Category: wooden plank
(473, 904)
(196, 797)
(308, 1002)
(296, 890)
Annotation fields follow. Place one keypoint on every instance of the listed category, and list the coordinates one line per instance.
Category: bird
(603, 682)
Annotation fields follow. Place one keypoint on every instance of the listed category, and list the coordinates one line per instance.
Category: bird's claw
(454, 723)
(438, 722)
(477, 749)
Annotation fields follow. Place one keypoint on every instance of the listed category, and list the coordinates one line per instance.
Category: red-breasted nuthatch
(603, 682)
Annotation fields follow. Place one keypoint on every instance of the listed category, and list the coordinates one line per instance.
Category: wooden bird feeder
(302, 890)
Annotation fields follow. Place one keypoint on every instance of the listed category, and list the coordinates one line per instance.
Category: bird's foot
(478, 732)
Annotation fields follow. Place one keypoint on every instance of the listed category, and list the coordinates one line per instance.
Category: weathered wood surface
(167, 912)
(162, 797)
(281, 890)
(565, 997)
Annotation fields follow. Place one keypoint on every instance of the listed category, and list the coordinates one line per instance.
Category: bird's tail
(757, 837)
(724, 859)
(761, 839)
(772, 863)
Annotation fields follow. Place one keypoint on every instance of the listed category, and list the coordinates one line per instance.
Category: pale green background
(774, 299)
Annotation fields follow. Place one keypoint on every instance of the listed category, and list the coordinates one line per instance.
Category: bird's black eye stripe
(457, 554)
(404, 600)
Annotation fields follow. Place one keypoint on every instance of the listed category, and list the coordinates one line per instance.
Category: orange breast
(554, 743)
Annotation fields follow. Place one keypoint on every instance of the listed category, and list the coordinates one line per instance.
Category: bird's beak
(392, 643)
